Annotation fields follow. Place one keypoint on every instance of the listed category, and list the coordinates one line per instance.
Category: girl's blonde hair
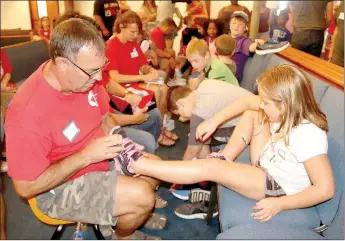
(287, 85)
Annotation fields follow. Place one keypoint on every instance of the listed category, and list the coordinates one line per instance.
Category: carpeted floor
(22, 224)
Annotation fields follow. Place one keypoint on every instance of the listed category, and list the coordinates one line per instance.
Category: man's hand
(133, 99)
(266, 209)
(152, 76)
(101, 149)
(105, 32)
(140, 116)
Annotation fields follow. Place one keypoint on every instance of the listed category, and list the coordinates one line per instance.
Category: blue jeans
(142, 138)
(153, 125)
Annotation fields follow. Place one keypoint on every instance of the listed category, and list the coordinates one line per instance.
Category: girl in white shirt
(286, 131)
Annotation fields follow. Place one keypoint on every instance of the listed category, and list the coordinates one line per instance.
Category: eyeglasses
(93, 73)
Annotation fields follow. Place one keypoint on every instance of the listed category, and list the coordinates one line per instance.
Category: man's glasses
(93, 73)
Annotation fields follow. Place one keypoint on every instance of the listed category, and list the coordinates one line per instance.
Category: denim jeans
(142, 138)
(153, 125)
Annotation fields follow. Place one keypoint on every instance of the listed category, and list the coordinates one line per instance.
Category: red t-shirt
(44, 126)
(6, 66)
(158, 38)
(126, 58)
(45, 34)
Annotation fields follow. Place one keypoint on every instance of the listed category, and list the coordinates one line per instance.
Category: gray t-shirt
(211, 97)
(214, 95)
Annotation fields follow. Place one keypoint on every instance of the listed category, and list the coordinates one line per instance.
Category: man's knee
(143, 195)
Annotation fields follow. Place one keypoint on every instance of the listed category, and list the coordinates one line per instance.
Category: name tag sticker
(341, 16)
(71, 131)
(134, 53)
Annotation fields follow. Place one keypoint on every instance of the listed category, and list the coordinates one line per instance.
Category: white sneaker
(177, 81)
(3, 167)
(168, 123)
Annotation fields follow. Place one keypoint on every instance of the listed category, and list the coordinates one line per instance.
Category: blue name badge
(71, 131)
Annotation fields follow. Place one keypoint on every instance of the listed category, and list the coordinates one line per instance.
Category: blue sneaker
(181, 194)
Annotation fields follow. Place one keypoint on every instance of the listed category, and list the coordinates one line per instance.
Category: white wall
(216, 6)
(15, 14)
(61, 7)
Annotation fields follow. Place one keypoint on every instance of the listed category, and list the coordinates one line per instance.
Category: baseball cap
(240, 14)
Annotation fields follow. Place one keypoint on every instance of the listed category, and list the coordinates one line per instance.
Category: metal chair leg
(58, 232)
(212, 204)
(98, 233)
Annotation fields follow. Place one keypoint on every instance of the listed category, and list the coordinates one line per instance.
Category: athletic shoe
(271, 48)
(194, 210)
(181, 194)
(194, 195)
(130, 152)
(177, 81)
(198, 195)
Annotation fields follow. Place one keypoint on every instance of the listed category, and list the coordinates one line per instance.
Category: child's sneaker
(130, 152)
(195, 210)
(177, 81)
(181, 194)
(271, 48)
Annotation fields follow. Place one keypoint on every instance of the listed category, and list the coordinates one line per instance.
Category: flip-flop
(165, 137)
(156, 221)
(160, 202)
(171, 135)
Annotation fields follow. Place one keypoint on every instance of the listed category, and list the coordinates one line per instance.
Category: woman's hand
(133, 99)
(266, 209)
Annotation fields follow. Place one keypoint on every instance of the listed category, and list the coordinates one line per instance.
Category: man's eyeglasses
(93, 73)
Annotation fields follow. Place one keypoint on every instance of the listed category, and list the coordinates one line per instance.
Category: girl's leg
(249, 129)
(241, 178)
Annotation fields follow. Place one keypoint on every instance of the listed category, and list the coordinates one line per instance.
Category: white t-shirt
(285, 164)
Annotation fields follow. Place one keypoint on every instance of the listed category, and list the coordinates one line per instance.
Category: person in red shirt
(57, 130)
(45, 32)
(7, 89)
(127, 61)
(159, 35)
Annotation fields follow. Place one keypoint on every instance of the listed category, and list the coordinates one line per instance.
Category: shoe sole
(198, 195)
(184, 198)
(195, 216)
(268, 51)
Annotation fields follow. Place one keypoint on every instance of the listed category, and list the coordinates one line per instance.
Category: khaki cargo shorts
(87, 199)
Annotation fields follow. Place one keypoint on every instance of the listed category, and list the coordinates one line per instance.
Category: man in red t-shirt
(58, 142)
(159, 35)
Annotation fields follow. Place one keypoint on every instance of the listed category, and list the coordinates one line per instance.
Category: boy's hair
(287, 85)
(197, 46)
(201, 22)
(169, 22)
(126, 18)
(74, 14)
(225, 44)
(176, 93)
(284, 14)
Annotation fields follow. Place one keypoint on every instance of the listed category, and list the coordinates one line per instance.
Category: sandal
(164, 140)
(160, 202)
(171, 135)
(156, 221)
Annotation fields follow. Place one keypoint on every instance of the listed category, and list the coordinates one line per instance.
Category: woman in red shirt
(128, 65)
